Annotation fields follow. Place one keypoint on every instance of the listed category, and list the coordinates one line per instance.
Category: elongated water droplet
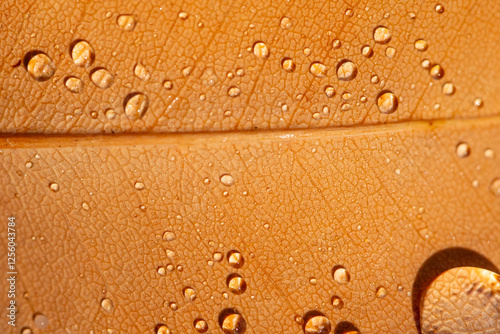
(436, 72)
(329, 91)
(136, 105)
(107, 304)
(381, 292)
(318, 69)
(141, 72)
(337, 302)
(227, 180)
(233, 91)
(189, 294)
(463, 150)
(101, 78)
(448, 88)
(126, 22)
(367, 51)
(495, 187)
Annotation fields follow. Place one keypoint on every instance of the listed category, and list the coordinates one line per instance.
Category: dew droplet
(337, 302)
(374, 79)
(341, 275)
(318, 324)
(169, 236)
(307, 52)
(346, 70)
(41, 321)
(436, 72)
(233, 91)
(382, 35)
(26, 330)
(39, 66)
(189, 294)
(288, 64)
(54, 186)
(462, 150)
(29, 164)
(421, 45)
(381, 292)
(235, 259)
(387, 102)
(367, 51)
(426, 64)
(236, 284)
(107, 304)
(110, 114)
(173, 306)
(336, 44)
(285, 23)
(85, 206)
(261, 50)
(495, 187)
(448, 88)
(102, 78)
(126, 22)
(161, 270)
(313, 281)
(390, 52)
(478, 103)
(329, 91)
(233, 323)
(439, 9)
(141, 72)
(318, 69)
(489, 153)
(170, 253)
(139, 185)
(299, 320)
(74, 84)
(168, 84)
(200, 325)
(162, 329)
(227, 180)
(218, 256)
(183, 15)
(82, 53)
(136, 105)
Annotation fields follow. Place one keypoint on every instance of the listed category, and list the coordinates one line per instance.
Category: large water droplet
(41, 321)
(381, 292)
(233, 323)
(162, 329)
(318, 69)
(387, 102)
(346, 70)
(436, 72)
(39, 65)
(318, 324)
(74, 84)
(102, 78)
(136, 105)
(261, 50)
(382, 35)
(82, 53)
(200, 325)
(235, 259)
(341, 275)
(126, 22)
(236, 284)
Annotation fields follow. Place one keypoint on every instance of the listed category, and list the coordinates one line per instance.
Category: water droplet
(478, 103)
(439, 9)
(318, 324)
(187, 71)
(448, 88)
(41, 321)
(462, 150)
(421, 45)
(307, 52)
(236, 284)
(170, 253)
(29, 164)
(110, 114)
(336, 44)
(495, 187)
(337, 302)
(82, 53)
(102, 78)
(139, 185)
(390, 52)
(141, 72)
(240, 72)
(261, 50)
(437, 72)
(285, 23)
(173, 306)
(168, 84)
(233, 323)
(329, 91)
(189, 294)
(183, 15)
(489, 153)
(74, 85)
(288, 64)
(26, 330)
(39, 66)
(367, 51)
(426, 64)
(313, 281)
(381, 292)
(54, 186)
(107, 304)
(169, 236)
(162, 329)
(346, 70)
(200, 325)
(341, 275)
(227, 180)
(136, 105)
(374, 79)
(85, 206)
(299, 320)
(233, 91)
(170, 267)
(218, 256)
(382, 35)
(387, 102)
(126, 22)
(318, 69)
(161, 270)
(235, 259)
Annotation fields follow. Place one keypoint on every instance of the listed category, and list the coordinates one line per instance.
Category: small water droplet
(82, 53)
(318, 69)
(85, 206)
(168, 84)
(426, 64)
(313, 281)
(26, 330)
(183, 15)
(218, 256)
(329, 91)
(489, 153)
(421, 45)
(299, 320)
(186, 71)
(233, 91)
(478, 103)
(318, 324)
(200, 325)
(126, 22)
(39, 66)
(307, 52)
(29, 164)
(387, 102)
(54, 186)
(382, 35)
(235, 259)
(74, 84)
(107, 304)
(437, 72)
(285, 23)
(227, 180)
(161, 270)
(169, 236)
(337, 302)
(162, 329)
(346, 70)
(495, 187)
(390, 52)
(173, 306)
(462, 150)
(139, 185)
(102, 78)
(236, 284)
(367, 51)
(374, 79)
(288, 64)
(439, 9)
(448, 88)
(341, 275)
(136, 105)
(41, 321)
(381, 292)
(189, 294)
(170, 253)
(110, 114)
(233, 323)
(141, 72)
(261, 50)
(240, 72)
(336, 44)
